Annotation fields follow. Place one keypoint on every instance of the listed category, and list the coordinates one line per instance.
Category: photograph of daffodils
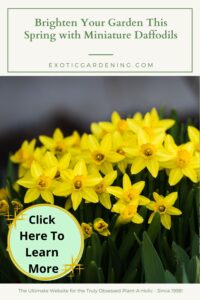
(133, 186)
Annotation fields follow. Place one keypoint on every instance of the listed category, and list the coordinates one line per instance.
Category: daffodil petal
(58, 135)
(139, 186)
(64, 161)
(92, 180)
(157, 197)
(106, 143)
(31, 195)
(143, 200)
(115, 191)
(104, 199)
(138, 165)
(110, 178)
(151, 205)
(166, 221)
(46, 141)
(47, 196)
(62, 189)
(151, 217)
(174, 211)
(175, 175)
(171, 198)
(114, 157)
(106, 168)
(126, 182)
(193, 134)
(50, 160)
(92, 143)
(27, 183)
(36, 169)
(143, 137)
(137, 219)
(153, 167)
(80, 168)
(90, 195)
(76, 199)
(191, 174)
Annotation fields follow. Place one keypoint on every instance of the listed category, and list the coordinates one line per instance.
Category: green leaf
(184, 274)
(129, 277)
(195, 245)
(193, 270)
(91, 272)
(115, 258)
(88, 255)
(101, 275)
(154, 228)
(169, 278)
(96, 248)
(180, 254)
(153, 268)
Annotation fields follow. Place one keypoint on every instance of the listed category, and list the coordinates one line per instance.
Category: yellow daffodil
(101, 188)
(61, 164)
(129, 197)
(129, 214)
(25, 155)
(182, 162)
(148, 153)
(101, 153)
(101, 227)
(164, 206)
(120, 142)
(58, 144)
(87, 230)
(79, 184)
(116, 124)
(194, 136)
(129, 192)
(151, 123)
(39, 182)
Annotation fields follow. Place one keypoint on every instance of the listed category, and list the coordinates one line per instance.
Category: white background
(180, 56)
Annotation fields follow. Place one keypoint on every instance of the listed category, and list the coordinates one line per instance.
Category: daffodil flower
(101, 227)
(116, 124)
(120, 142)
(129, 214)
(24, 156)
(101, 188)
(182, 162)
(87, 230)
(164, 206)
(129, 197)
(39, 182)
(148, 153)
(61, 164)
(151, 123)
(79, 184)
(58, 144)
(101, 153)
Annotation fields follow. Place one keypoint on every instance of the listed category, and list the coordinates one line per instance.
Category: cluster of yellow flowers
(86, 167)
